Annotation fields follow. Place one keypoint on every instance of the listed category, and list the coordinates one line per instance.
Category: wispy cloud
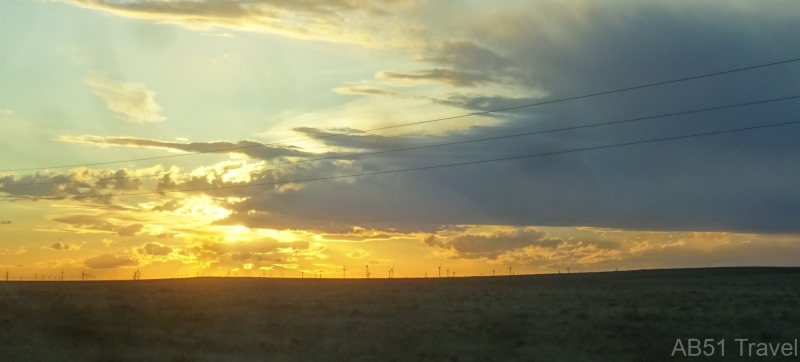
(131, 101)
(347, 21)
(358, 254)
(447, 76)
(366, 91)
(247, 147)
(108, 261)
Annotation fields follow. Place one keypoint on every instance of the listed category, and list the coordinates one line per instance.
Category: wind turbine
(440, 270)
(344, 272)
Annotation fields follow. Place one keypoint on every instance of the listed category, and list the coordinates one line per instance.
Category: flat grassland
(615, 316)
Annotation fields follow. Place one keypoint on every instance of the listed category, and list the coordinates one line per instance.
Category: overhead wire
(498, 110)
(459, 164)
(358, 154)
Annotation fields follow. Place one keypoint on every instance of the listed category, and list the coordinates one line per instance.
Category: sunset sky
(98, 81)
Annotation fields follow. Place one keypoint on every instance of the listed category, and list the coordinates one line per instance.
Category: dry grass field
(618, 316)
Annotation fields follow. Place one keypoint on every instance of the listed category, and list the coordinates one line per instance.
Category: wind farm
(273, 180)
(509, 318)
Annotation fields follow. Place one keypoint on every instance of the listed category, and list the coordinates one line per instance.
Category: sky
(105, 105)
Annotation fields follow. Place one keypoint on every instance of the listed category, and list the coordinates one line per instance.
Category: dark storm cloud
(465, 64)
(468, 56)
(734, 182)
(478, 102)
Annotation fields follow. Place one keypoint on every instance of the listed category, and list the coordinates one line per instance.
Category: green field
(616, 316)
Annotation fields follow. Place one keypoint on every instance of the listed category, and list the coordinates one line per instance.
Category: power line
(426, 167)
(446, 144)
(430, 120)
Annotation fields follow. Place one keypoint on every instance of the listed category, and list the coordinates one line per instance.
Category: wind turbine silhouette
(344, 272)
(440, 270)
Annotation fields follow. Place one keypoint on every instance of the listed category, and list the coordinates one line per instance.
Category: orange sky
(124, 95)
